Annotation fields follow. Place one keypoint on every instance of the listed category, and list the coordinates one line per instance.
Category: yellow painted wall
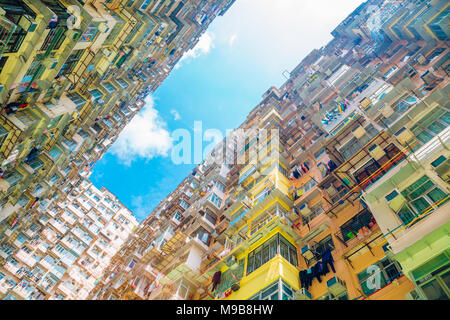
(265, 275)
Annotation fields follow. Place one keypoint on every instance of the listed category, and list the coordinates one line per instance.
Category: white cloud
(233, 38)
(278, 34)
(203, 47)
(144, 137)
(176, 114)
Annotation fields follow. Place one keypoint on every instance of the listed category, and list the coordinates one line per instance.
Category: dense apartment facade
(63, 251)
(336, 186)
(72, 75)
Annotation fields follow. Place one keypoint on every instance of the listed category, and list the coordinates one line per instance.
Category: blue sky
(219, 82)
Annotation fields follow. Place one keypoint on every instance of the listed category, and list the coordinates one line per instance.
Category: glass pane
(273, 248)
(436, 194)
(421, 190)
(436, 127)
(269, 291)
(420, 204)
(424, 136)
(446, 117)
(434, 291)
(405, 215)
(257, 259)
(284, 250)
(265, 257)
(446, 278)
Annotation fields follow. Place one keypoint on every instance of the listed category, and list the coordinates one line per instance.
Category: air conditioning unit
(302, 294)
(376, 152)
(235, 287)
(359, 132)
(404, 135)
(442, 167)
(27, 23)
(397, 202)
(305, 210)
(336, 286)
(331, 190)
(293, 216)
(307, 252)
(106, 52)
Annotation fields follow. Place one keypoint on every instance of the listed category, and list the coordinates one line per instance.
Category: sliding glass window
(269, 249)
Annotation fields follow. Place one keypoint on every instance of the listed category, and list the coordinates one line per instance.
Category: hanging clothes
(295, 173)
(303, 279)
(216, 280)
(327, 258)
(306, 166)
(316, 273)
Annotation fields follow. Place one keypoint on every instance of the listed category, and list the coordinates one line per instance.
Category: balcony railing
(351, 195)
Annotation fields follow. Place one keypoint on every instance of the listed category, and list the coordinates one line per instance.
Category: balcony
(25, 257)
(70, 220)
(11, 267)
(302, 294)
(75, 211)
(23, 291)
(58, 226)
(359, 229)
(65, 289)
(336, 286)
(5, 285)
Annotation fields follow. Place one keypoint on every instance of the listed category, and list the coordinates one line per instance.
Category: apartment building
(72, 75)
(65, 246)
(346, 199)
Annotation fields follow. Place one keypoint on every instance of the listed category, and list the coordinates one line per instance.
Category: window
(71, 62)
(431, 125)
(109, 87)
(420, 196)
(3, 134)
(202, 235)
(54, 153)
(122, 83)
(184, 204)
(209, 216)
(283, 171)
(354, 144)
(382, 273)
(177, 215)
(216, 200)
(96, 93)
(77, 99)
(36, 164)
(435, 25)
(435, 285)
(145, 4)
(220, 186)
(12, 177)
(265, 252)
(305, 188)
(279, 290)
(26, 118)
